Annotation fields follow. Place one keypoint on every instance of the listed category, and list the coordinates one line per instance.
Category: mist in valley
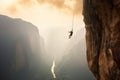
(36, 35)
(69, 54)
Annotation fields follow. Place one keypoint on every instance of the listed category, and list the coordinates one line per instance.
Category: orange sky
(63, 5)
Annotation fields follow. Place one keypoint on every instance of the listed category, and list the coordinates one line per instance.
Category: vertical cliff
(20, 55)
(102, 22)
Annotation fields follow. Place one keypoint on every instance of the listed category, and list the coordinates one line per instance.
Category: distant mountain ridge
(20, 53)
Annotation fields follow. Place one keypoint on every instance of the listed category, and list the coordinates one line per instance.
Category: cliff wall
(102, 22)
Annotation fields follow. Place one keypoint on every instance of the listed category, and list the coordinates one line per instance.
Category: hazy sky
(50, 16)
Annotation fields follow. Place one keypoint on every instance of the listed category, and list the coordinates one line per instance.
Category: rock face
(102, 22)
(20, 51)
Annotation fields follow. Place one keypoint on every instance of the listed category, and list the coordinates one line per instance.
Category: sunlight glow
(8, 2)
(49, 21)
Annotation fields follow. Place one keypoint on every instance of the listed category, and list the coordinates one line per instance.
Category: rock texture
(102, 22)
(20, 55)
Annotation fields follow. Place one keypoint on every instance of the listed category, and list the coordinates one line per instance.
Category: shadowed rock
(102, 22)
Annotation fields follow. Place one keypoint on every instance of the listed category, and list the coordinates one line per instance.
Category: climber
(71, 31)
(70, 34)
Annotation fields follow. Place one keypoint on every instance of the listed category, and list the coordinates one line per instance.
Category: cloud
(78, 6)
(12, 9)
(63, 5)
(28, 3)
